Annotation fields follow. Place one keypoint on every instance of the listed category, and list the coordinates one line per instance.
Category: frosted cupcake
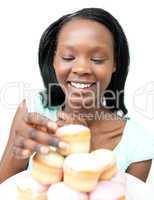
(82, 171)
(29, 189)
(77, 136)
(110, 165)
(61, 191)
(47, 169)
(108, 190)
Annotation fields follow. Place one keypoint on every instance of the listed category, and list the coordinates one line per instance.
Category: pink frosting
(107, 190)
(120, 177)
(61, 191)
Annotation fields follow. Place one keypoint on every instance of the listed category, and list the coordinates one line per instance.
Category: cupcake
(109, 159)
(61, 191)
(47, 169)
(108, 190)
(77, 136)
(82, 171)
(29, 189)
(120, 178)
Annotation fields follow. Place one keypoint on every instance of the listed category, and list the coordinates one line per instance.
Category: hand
(34, 133)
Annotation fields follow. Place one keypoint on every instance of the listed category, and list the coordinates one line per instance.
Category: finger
(23, 106)
(41, 128)
(42, 142)
(31, 145)
(40, 120)
(39, 136)
(25, 143)
(60, 123)
(20, 153)
(22, 109)
(61, 115)
(47, 139)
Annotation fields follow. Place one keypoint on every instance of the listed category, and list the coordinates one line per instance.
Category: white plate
(136, 189)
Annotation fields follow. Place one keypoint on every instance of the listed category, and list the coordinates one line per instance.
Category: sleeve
(140, 143)
(35, 104)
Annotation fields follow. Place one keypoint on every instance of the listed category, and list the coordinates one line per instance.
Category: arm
(10, 165)
(140, 169)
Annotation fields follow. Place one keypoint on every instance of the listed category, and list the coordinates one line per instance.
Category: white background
(21, 26)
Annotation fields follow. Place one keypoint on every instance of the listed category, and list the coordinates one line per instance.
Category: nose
(82, 67)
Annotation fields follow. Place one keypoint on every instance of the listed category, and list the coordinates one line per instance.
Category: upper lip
(81, 82)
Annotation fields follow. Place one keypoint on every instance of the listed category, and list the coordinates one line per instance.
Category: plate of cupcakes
(74, 174)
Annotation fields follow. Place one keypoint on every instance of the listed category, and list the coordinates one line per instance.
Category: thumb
(23, 106)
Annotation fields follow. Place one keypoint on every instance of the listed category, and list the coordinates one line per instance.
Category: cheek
(104, 77)
(61, 71)
(59, 74)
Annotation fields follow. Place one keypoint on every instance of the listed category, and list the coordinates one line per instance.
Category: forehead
(82, 30)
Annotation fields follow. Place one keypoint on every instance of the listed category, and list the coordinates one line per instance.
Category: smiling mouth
(80, 85)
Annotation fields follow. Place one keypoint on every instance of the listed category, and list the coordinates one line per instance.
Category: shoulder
(139, 141)
(35, 104)
(137, 144)
(134, 129)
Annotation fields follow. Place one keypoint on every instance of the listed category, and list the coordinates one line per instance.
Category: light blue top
(136, 144)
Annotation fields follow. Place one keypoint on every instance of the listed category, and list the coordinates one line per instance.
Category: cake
(81, 171)
(77, 136)
(110, 165)
(30, 189)
(61, 191)
(108, 190)
(47, 169)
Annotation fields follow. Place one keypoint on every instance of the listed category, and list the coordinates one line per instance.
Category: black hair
(55, 96)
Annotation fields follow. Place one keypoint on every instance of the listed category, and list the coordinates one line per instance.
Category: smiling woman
(83, 60)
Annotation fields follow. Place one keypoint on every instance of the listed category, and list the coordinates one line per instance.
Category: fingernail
(23, 103)
(44, 150)
(60, 123)
(64, 145)
(52, 125)
(53, 148)
(25, 152)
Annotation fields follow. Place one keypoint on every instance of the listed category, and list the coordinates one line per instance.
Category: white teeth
(80, 85)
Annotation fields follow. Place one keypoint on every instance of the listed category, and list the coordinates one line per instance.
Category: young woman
(83, 59)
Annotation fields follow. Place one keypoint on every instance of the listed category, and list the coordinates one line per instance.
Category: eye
(68, 58)
(97, 60)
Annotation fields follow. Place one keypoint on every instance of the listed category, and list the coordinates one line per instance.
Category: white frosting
(61, 191)
(104, 156)
(53, 159)
(28, 183)
(71, 129)
(82, 162)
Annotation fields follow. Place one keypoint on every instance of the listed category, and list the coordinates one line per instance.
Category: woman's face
(84, 62)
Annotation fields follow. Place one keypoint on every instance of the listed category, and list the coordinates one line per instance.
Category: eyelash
(68, 58)
(96, 61)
